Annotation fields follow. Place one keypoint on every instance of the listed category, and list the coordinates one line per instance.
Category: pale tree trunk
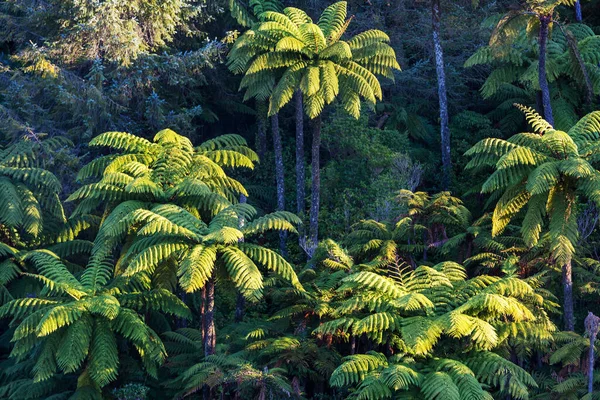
(442, 94)
(316, 182)
(300, 171)
(210, 335)
(542, 78)
(279, 174)
(568, 314)
(592, 324)
(578, 16)
(261, 132)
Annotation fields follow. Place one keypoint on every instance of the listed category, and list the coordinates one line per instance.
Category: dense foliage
(442, 246)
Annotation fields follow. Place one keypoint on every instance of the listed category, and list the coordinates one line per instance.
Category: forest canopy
(299, 199)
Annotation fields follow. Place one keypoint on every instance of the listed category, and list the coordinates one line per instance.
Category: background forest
(303, 199)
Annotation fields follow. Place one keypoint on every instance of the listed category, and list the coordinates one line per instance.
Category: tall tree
(539, 15)
(442, 93)
(174, 202)
(548, 171)
(288, 52)
(249, 15)
(220, 248)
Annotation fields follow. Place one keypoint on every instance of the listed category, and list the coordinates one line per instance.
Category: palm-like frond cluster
(29, 195)
(287, 50)
(417, 319)
(170, 215)
(157, 277)
(542, 170)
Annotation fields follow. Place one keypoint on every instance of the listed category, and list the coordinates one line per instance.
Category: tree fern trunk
(300, 172)
(261, 133)
(578, 16)
(591, 326)
(210, 337)
(279, 173)
(316, 181)
(543, 80)
(203, 313)
(442, 94)
(591, 363)
(568, 313)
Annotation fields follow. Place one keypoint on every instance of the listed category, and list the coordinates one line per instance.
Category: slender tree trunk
(206, 323)
(442, 94)
(203, 313)
(578, 16)
(543, 80)
(261, 133)
(210, 336)
(591, 326)
(279, 174)
(568, 313)
(300, 172)
(316, 182)
(591, 361)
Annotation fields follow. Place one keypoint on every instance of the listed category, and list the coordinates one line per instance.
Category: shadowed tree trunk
(542, 78)
(592, 324)
(279, 174)
(578, 16)
(442, 94)
(203, 313)
(316, 182)
(210, 335)
(568, 313)
(300, 171)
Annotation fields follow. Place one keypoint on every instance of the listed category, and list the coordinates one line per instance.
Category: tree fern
(74, 327)
(279, 44)
(545, 175)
